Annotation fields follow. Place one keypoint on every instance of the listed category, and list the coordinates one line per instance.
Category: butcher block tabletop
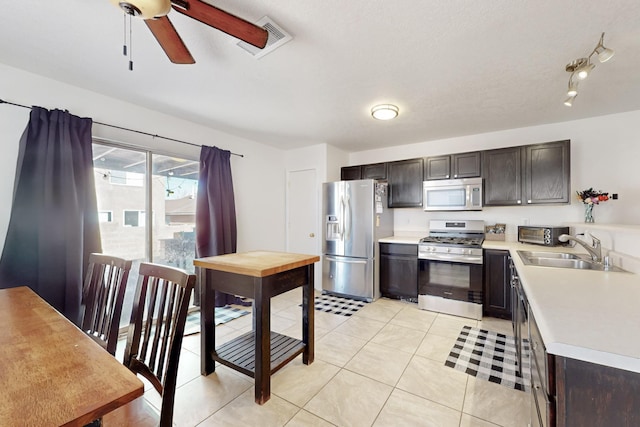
(256, 263)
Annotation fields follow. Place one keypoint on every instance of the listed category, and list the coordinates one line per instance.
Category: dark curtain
(54, 219)
(216, 232)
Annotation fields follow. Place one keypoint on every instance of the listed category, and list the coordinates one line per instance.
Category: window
(105, 216)
(129, 198)
(133, 218)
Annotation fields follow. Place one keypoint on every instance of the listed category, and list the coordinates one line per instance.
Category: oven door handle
(453, 258)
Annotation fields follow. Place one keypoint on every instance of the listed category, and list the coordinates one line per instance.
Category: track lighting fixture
(581, 68)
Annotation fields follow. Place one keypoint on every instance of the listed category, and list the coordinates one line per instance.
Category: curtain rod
(2, 101)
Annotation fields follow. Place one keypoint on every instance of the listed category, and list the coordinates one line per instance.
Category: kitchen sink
(561, 255)
(563, 260)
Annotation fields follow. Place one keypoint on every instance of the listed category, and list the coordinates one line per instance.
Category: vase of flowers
(590, 198)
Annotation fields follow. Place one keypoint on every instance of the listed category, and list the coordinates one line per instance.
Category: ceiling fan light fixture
(385, 112)
(145, 9)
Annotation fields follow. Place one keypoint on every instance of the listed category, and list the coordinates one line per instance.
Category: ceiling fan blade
(223, 21)
(170, 41)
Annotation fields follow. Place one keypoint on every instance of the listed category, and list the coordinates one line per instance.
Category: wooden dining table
(52, 373)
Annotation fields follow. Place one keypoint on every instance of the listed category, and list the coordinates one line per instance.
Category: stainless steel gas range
(450, 268)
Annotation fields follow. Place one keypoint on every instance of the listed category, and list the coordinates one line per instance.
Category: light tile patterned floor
(383, 366)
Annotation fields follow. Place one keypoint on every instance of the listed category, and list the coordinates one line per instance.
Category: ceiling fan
(154, 13)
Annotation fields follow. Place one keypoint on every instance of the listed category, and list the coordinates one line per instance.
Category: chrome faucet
(595, 250)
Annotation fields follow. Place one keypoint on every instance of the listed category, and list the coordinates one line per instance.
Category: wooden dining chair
(102, 297)
(154, 340)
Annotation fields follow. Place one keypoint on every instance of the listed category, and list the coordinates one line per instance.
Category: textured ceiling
(454, 68)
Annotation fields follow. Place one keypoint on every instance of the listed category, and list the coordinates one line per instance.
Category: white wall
(258, 176)
(326, 160)
(605, 154)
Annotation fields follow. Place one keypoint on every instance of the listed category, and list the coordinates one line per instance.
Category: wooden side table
(259, 275)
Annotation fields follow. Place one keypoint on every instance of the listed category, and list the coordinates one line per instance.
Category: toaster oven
(541, 235)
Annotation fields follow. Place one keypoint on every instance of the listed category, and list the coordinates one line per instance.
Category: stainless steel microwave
(541, 235)
(452, 195)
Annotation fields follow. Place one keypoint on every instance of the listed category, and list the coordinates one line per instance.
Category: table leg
(262, 328)
(308, 311)
(207, 325)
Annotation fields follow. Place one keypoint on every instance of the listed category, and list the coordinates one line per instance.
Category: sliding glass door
(146, 205)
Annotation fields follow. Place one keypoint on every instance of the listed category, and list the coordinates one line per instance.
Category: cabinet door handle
(528, 201)
(519, 201)
(446, 176)
(448, 293)
(455, 176)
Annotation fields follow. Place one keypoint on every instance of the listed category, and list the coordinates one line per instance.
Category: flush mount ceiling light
(581, 68)
(385, 112)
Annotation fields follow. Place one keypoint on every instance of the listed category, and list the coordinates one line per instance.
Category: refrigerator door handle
(348, 218)
(346, 261)
(341, 231)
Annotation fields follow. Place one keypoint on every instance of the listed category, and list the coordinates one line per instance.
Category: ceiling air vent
(277, 37)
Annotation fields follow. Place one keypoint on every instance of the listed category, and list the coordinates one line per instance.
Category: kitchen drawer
(543, 403)
(539, 355)
(399, 249)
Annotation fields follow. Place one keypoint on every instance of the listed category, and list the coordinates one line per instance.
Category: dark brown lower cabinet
(572, 393)
(497, 284)
(596, 395)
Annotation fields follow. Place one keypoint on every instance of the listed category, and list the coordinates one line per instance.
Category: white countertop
(587, 315)
(407, 240)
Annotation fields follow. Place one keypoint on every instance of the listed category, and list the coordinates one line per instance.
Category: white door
(302, 216)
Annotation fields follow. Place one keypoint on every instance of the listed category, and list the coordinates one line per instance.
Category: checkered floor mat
(489, 356)
(222, 315)
(338, 305)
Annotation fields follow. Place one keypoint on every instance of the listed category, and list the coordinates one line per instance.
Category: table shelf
(239, 353)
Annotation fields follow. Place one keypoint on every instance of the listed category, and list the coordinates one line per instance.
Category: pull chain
(130, 46)
(124, 34)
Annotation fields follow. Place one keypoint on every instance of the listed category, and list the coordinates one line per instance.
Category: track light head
(583, 72)
(573, 88)
(604, 53)
(569, 101)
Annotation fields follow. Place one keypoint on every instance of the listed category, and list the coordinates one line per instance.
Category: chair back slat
(102, 297)
(157, 325)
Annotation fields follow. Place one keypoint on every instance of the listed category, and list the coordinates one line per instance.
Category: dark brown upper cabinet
(547, 173)
(454, 166)
(405, 183)
(374, 171)
(349, 173)
(527, 175)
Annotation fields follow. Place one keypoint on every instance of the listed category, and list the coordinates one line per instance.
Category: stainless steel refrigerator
(355, 216)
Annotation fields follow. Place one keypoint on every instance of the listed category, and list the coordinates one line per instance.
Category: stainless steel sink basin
(535, 254)
(562, 260)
